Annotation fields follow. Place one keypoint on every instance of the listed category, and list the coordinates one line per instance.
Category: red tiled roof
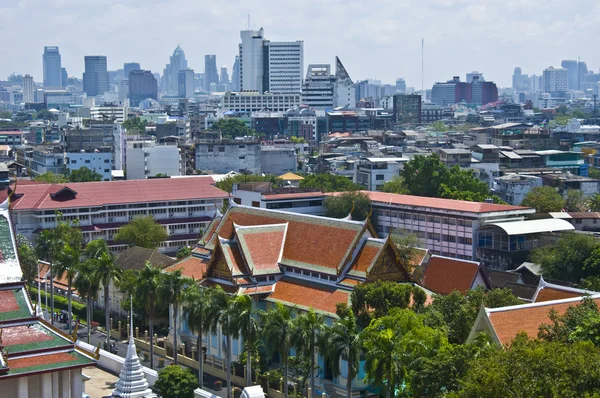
(526, 318)
(15, 335)
(252, 290)
(367, 256)
(8, 301)
(309, 295)
(234, 258)
(26, 362)
(116, 192)
(299, 195)
(261, 246)
(550, 294)
(437, 203)
(192, 267)
(444, 275)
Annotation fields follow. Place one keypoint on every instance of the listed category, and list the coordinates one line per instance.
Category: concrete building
(512, 188)
(253, 101)
(407, 109)
(28, 89)
(278, 160)
(224, 78)
(142, 86)
(47, 159)
(556, 80)
(147, 159)
(186, 83)
(372, 173)
(211, 74)
(235, 74)
(177, 62)
(52, 67)
(454, 91)
(318, 87)
(109, 113)
(182, 205)
(451, 157)
(344, 93)
(223, 157)
(294, 200)
(100, 162)
(95, 77)
(128, 67)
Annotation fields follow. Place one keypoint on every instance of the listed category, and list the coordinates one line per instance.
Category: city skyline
(460, 36)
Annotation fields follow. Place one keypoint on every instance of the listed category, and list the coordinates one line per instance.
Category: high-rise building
(407, 109)
(318, 87)
(582, 70)
(211, 74)
(267, 66)
(224, 76)
(556, 80)
(483, 92)
(129, 66)
(400, 86)
(52, 67)
(473, 75)
(186, 83)
(170, 83)
(95, 77)
(454, 91)
(344, 93)
(142, 85)
(572, 68)
(64, 77)
(28, 89)
(235, 74)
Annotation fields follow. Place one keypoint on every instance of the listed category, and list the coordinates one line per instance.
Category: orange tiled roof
(306, 295)
(210, 230)
(262, 246)
(444, 275)
(509, 321)
(366, 257)
(192, 267)
(550, 291)
(234, 258)
(252, 290)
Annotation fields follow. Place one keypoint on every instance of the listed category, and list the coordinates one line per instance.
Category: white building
(556, 79)
(147, 158)
(109, 113)
(100, 162)
(294, 200)
(372, 173)
(251, 60)
(222, 157)
(253, 102)
(512, 188)
(278, 160)
(28, 89)
(344, 90)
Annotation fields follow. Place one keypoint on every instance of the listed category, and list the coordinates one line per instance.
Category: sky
(378, 39)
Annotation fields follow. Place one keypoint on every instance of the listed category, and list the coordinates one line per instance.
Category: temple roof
(262, 247)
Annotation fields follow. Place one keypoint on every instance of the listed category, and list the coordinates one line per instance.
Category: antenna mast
(422, 65)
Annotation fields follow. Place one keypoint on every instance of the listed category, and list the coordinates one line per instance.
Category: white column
(55, 385)
(46, 386)
(23, 388)
(65, 384)
(76, 383)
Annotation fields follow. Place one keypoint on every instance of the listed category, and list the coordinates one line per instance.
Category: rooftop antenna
(248, 21)
(422, 64)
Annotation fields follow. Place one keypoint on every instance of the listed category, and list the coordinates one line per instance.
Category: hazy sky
(373, 38)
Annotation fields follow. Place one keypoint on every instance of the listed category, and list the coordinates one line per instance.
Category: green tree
(580, 322)
(229, 330)
(172, 285)
(105, 272)
(424, 175)
(307, 333)
(356, 203)
(87, 285)
(135, 125)
(84, 175)
(232, 128)
(329, 183)
(6, 115)
(570, 259)
(226, 184)
(544, 199)
(575, 201)
(342, 340)
(201, 308)
(594, 173)
(439, 126)
(142, 232)
(27, 258)
(147, 291)
(184, 252)
(278, 329)
(51, 178)
(593, 202)
(395, 185)
(374, 300)
(245, 320)
(463, 185)
(176, 382)
(44, 114)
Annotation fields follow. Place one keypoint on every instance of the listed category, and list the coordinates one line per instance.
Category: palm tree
(105, 271)
(308, 328)
(342, 340)
(199, 306)
(247, 326)
(171, 291)
(146, 289)
(224, 306)
(87, 285)
(68, 263)
(47, 246)
(278, 328)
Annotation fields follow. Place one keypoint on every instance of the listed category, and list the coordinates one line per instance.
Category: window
(107, 170)
(87, 161)
(221, 149)
(73, 161)
(379, 177)
(210, 149)
(242, 157)
(578, 221)
(106, 161)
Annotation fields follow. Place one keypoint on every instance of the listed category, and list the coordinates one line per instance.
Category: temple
(36, 359)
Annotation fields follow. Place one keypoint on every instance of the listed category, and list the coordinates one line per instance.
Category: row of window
(461, 222)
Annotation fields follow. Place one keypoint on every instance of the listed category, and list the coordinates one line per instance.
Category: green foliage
(376, 299)
(357, 203)
(232, 128)
(84, 175)
(438, 126)
(329, 183)
(135, 125)
(6, 115)
(575, 201)
(544, 199)
(184, 252)
(395, 185)
(44, 114)
(533, 368)
(297, 140)
(176, 382)
(142, 232)
(572, 258)
(226, 184)
(51, 178)
(579, 323)
(27, 258)
(594, 173)
(593, 202)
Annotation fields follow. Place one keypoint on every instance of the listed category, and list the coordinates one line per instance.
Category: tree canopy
(51, 178)
(233, 128)
(357, 203)
(227, 183)
(329, 183)
(143, 232)
(176, 382)
(84, 175)
(544, 199)
(135, 125)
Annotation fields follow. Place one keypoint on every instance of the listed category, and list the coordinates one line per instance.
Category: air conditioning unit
(111, 219)
(171, 215)
(130, 218)
(190, 214)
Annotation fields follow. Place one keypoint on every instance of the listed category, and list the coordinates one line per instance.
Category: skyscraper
(52, 67)
(474, 74)
(235, 74)
(344, 88)
(186, 83)
(572, 73)
(129, 66)
(28, 89)
(251, 60)
(211, 75)
(177, 62)
(400, 86)
(64, 77)
(556, 80)
(224, 77)
(142, 85)
(95, 77)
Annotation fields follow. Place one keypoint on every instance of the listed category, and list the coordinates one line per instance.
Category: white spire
(132, 383)
(38, 308)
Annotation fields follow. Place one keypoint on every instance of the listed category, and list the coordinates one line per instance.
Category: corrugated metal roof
(534, 226)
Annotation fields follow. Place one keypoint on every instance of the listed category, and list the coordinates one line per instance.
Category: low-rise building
(278, 159)
(253, 101)
(451, 157)
(147, 159)
(512, 188)
(98, 161)
(222, 157)
(295, 200)
(373, 172)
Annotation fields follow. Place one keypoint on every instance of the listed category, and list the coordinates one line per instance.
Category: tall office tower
(170, 83)
(142, 85)
(186, 83)
(235, 74)
(52, 67)
(407, 109)
(400, 86)
(64, 77)
(344, 93)
(516, 78)
(128, 67)
(224, 76)
(211, 74)
(572, 68)
(471, 76)
(265, 65)
(582, 70)
(556, 80)
(95, 77)
(28, 89)
(318, 87)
